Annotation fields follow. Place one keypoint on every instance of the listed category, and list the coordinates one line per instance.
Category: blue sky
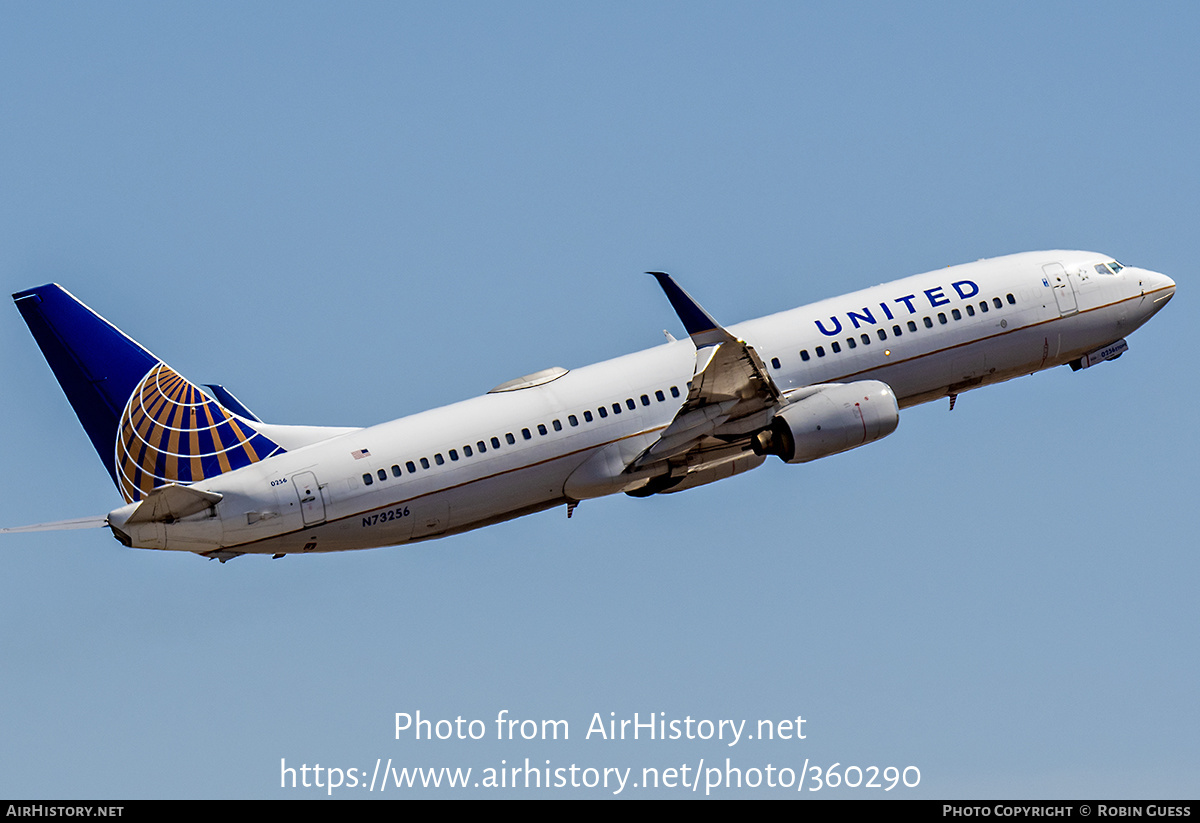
(350, 214)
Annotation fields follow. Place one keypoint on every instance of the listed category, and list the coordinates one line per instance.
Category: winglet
(700, 325)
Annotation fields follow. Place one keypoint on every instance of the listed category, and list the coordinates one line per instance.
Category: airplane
(201, 473)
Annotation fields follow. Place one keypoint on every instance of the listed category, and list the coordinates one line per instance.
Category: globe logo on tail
(171, 432)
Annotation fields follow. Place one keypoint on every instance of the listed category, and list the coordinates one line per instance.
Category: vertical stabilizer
(149, 425)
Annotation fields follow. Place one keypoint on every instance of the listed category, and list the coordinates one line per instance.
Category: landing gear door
(312, 498)
(1064, 292)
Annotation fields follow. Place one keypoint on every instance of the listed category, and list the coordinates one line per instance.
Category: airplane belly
(490, 499)
(471, 504)
(928, 377)
(1087, 330)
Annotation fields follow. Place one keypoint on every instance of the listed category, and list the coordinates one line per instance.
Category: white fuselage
(927, 336)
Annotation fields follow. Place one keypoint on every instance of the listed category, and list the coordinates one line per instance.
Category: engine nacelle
(834, 418)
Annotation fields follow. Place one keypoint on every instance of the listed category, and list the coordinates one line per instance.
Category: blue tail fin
(149, 425)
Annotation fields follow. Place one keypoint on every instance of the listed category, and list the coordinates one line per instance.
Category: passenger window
(804, 355)
(645, 400)
(424, 462)
(481, 446)
(996, 302)
(775, 362)
(395, 471)
(557, 425)
(1012, 301)
(525, 433)
(912, 326)
(367, 479)
(866, 338)
(437, 458)
(895, 332)
(630, 404)
(495, 442)
(883, 334)
(542, 430)
(587, 417)
(674, 391)
(983, 306)
(467, 451)
(454, 454)
(970, 310)
(411, 466)
(928, 322)
(573, 420)
(659, 396)
(603, 411)
(616, 408)
(382, 474)
(957, 314)
(942, 318)
(509, 439)
(837, 347)
(820, 351)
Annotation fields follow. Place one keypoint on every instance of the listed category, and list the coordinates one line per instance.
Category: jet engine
(827, 419)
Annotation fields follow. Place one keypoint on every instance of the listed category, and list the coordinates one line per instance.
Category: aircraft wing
(731, 394)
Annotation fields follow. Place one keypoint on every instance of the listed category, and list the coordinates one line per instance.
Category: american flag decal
(360, 454)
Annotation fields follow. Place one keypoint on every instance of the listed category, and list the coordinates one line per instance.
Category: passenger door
(312, 498)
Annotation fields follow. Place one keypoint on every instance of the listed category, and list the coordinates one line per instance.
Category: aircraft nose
(1157, 286)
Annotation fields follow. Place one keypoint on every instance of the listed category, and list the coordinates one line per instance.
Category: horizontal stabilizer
(172, 502)
(62, 525)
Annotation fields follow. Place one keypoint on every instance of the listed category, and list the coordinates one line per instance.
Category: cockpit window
(1102, 269)
(1115, 266)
